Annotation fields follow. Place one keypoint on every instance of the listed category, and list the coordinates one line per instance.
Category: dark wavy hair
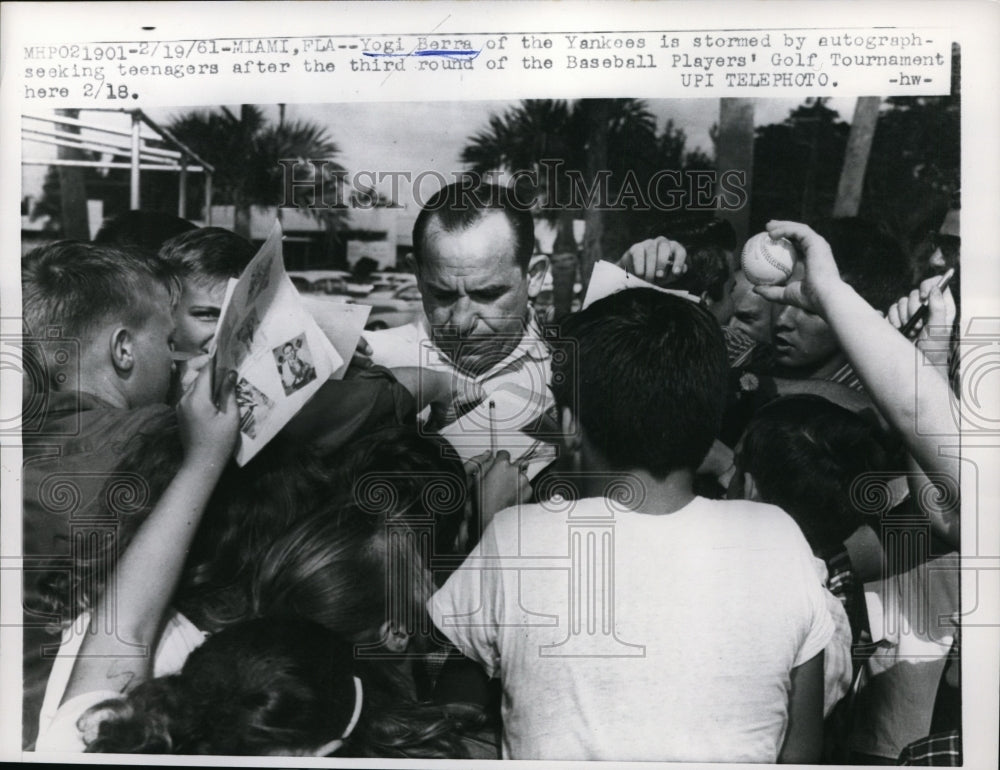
(259, 687)
(402, 473)
(275, 686)
(351, 572)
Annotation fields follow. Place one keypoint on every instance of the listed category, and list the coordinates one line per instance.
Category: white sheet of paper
(608, 279)
(279, 352)
(342, 323)
(470, 433)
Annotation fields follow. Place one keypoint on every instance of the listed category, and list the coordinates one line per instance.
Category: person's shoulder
(756, 516)
(550, 514)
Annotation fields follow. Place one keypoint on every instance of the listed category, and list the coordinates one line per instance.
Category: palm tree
(245, 151)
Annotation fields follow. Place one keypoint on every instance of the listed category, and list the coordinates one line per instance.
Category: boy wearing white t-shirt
(633, 620)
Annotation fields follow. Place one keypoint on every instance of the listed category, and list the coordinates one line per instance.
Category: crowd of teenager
(746, 549)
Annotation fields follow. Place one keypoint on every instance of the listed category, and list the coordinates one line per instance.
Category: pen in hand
(922, 312)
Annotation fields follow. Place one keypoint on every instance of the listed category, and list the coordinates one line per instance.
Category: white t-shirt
(626, 636)
(179, 638)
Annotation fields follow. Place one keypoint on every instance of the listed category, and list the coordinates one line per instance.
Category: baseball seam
(763, 252)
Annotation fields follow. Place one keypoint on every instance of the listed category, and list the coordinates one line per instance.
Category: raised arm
(900, 379)
(147, 573)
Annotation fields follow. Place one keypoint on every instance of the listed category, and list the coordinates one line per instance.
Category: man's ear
(394, 639)
(750, 488)
(410, 262)
(122, 348)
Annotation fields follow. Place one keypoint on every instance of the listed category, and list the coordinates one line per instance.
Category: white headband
(358, 699)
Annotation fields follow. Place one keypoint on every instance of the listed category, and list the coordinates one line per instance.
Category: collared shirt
(524, 372)
(509, 407)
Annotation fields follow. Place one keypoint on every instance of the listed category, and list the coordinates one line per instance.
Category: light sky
(424, 136)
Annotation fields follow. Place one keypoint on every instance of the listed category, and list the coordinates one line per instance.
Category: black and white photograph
(254, 406)
(742, 513)
(294, 363)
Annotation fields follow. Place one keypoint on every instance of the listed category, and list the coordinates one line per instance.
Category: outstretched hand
(654, 258)
(209, 433)
(812, 277)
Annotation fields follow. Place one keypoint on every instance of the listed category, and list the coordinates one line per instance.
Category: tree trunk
(72, 188)
(859, 145)
(564, 263)
(598, 118)
(241, 206)
(241, 217)
(734, 151)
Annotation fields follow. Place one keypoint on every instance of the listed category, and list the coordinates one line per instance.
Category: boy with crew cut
(99, 326)
(655, 625)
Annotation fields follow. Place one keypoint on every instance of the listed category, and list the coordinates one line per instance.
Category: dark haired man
(471, 249)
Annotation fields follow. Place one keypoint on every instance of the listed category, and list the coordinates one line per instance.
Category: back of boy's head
(208, 254)
(869, 258)
(260, 687)
(78, 287)
(142, 232)
(804, 453)
(645, 375)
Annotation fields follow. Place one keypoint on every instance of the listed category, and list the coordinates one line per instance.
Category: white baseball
(767, 261)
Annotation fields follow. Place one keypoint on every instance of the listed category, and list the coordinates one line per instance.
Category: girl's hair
(399, 473)
(350, 571)
(268, 687)
(258, 687)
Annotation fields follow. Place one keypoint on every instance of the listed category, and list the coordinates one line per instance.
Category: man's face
(153, 362)
(197, 313)
(804, 341)
(475, 294)
(752, 314)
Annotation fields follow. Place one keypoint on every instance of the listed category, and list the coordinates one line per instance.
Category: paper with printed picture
(279, 353)
(608, 279)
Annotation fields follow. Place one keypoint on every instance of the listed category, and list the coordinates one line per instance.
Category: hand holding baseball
(810, 283)
(767, 261)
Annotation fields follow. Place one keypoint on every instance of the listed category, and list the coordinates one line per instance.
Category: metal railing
(135, 144)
